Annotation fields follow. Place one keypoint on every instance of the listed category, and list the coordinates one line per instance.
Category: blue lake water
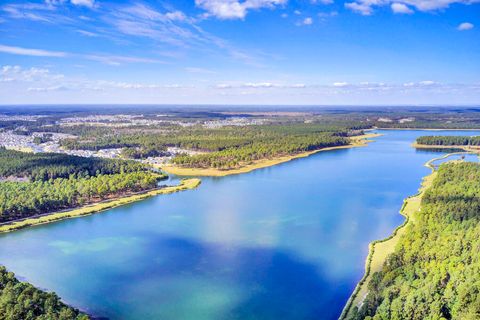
(285, 242)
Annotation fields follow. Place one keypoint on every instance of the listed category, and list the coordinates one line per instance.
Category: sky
(303, 52)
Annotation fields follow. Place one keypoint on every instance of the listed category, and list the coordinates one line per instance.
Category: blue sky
(320, 52)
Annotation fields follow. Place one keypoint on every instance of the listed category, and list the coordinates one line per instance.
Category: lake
(285, 242)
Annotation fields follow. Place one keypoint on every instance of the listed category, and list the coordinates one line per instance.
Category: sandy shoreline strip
(357, 141)
(380, 249)
(185, 184)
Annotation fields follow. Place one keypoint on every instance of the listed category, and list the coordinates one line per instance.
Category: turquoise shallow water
(285, 242)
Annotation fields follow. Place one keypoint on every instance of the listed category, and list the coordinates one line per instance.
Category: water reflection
(286, 242)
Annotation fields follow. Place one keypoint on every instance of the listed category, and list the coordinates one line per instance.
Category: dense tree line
(22, 301)
(449, 140)
(45, 166)
(434, 272)
(225, 147)
(23, 199)
(262, 149)
(143, 153)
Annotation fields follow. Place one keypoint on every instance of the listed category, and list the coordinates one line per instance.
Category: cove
(284, 242)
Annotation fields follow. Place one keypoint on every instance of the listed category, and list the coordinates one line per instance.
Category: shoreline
(357, 141)
(380, 249)
(426, 129)
(185, 184)
(467, 148)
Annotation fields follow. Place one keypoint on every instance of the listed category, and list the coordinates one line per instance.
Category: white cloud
(46, 81)
(107, 59)
(465, 26)
(307, 21)
(401, 8)
(88, 33)
(86, 3)
(115, 60)
(40, 85)
(365, 7)
(328, 14)
(360, 7)
(234, 9)
(46, 89)
(31, 52)
(10, 73)
(321, 1)
(199, 70)
(421, 84)
(260, 85)
(427, 83)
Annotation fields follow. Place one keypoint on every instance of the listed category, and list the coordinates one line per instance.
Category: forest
(23, 199)
(434, 271)
(52, 181)
(229, 158)
(225, 147)
(46, 166)
(22, 301)
(449, 140)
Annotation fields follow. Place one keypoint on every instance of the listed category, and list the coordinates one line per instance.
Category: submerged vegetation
(22, 301)
(434, 270)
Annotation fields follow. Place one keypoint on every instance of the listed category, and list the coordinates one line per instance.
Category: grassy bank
(356, 141)
(380, 249)
(97, 207)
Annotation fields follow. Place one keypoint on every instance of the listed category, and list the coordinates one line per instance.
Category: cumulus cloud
(43, 80)
(360, 7)
(234, 9)
(366, 7)
(465, 26)
(10, 73)
(86, 3)
(307, 21)
(401, 8)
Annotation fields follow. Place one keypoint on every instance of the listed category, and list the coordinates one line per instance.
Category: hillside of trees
(45, 166)
(449, 140)
(22, 301)
(434, 272)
